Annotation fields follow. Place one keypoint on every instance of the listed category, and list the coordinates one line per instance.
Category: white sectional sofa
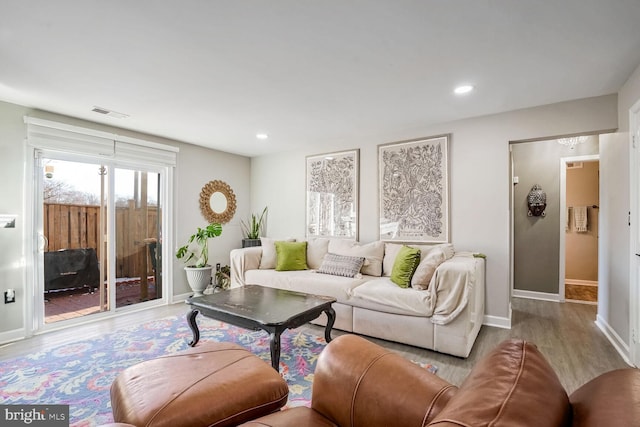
(445, 317)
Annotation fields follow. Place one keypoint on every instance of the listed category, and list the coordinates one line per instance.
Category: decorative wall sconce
(537, 201)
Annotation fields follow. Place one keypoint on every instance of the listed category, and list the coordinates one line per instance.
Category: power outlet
(9, 296)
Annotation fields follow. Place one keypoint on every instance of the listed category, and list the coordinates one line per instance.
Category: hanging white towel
(580, 218)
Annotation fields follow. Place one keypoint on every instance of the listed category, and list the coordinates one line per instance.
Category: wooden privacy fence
(68, 226)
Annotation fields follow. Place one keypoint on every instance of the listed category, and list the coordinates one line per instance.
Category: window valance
(50, 135)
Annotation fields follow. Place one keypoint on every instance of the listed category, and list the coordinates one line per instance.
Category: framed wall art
(413, 188)
(332, 194)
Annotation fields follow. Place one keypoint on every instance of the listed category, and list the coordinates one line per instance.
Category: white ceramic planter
(199, 278)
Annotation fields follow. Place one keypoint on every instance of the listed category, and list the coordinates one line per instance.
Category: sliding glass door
(96, 221)
(101, 227)
(73, 254)
(138, 220)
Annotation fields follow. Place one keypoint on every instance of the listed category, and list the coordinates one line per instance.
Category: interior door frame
(634, 217)
(563, 216)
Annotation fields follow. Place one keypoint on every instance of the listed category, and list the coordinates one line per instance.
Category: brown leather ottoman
(213, 384)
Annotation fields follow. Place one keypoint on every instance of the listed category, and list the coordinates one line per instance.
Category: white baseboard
(179, 298)
(621, 347)
(544, 296)
(496, 321)
(580, 282)
(10, 336)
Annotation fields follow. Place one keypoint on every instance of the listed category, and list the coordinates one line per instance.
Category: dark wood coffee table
(259, 307)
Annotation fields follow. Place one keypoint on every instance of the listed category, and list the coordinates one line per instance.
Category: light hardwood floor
(565, 333)
(584, 293)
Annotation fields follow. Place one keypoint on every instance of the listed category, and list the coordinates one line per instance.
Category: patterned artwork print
(80, 374)
(332, 195)
(413, 191)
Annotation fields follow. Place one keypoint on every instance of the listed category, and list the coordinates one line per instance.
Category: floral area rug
(80, 374)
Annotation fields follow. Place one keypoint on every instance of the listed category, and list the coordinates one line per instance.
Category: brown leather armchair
(358, 383)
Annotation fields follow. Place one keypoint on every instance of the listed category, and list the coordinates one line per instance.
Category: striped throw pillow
(341, 265)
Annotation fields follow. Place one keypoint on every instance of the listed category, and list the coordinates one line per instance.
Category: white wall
(196, 166)
(613, 312)
(614, 243)
(12, 202)
(628, 95)
(479, 179)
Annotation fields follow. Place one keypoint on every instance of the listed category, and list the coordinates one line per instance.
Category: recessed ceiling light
(461, 90)
(262, 136)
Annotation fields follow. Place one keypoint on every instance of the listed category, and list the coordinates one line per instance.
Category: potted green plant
(197, 249)
(253, 229)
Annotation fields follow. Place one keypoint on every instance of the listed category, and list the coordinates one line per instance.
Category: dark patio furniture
(71, 269)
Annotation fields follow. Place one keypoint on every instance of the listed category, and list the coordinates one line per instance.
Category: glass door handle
(44, 243)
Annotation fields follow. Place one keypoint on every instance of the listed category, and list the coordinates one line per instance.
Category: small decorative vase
(199, 278)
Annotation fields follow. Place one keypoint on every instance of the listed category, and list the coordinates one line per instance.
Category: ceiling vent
(109, 113)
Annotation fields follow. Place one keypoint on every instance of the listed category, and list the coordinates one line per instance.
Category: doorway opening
(580, 178)
(539, 242)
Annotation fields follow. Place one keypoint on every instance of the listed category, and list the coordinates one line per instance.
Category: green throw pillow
(291, 256)
(404, 266)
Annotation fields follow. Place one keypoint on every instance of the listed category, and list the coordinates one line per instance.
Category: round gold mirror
(217, 202)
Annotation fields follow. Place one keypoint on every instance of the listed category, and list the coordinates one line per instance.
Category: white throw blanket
(580, 218)
(449, 289)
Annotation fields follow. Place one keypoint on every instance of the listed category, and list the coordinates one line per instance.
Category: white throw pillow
(447, 249)
(390, 253)
(427, 267)
(372, 252)
(269, 255)
(317, 248)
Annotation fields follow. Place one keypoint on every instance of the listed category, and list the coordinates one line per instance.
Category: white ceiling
(214, 73)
